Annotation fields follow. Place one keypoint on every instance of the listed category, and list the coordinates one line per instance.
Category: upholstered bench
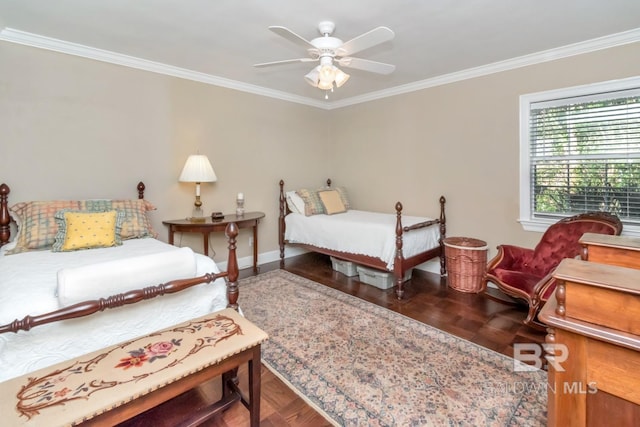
(119, 382)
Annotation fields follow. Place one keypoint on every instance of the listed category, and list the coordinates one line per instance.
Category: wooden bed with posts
(401, 262)
(133, 296)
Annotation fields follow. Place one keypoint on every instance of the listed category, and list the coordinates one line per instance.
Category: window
(580, 152)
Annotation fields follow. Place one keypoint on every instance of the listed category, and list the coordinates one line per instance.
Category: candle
(240, 196)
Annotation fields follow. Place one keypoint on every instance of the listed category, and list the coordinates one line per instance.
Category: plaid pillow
(312, 203)
(344, 197)
(36, 223)
(136, 223)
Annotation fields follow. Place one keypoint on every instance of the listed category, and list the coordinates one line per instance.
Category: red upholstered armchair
(525, 274)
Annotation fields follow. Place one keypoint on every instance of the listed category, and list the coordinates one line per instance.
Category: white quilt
(361, 232)
(28, 286)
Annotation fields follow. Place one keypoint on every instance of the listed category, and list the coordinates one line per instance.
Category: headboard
(5, 216)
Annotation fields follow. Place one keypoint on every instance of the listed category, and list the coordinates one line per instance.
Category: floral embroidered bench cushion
(77, 390)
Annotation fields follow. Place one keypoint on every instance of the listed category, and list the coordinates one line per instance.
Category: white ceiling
(218, 41)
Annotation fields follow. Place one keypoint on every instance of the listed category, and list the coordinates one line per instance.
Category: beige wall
(74, 128)
(460, 140)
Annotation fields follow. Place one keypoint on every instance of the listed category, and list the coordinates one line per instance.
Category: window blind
(585, 155)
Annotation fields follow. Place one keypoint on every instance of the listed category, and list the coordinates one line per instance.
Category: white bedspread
(361, 232)
(28, 285)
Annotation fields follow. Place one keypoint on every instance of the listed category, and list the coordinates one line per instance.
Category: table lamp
(197, 169)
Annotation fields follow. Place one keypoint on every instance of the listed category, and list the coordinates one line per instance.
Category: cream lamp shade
(198, 169)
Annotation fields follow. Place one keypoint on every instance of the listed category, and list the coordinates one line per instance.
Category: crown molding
(34, 40)
(606, 42)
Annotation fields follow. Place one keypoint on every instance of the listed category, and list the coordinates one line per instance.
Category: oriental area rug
(360, 364)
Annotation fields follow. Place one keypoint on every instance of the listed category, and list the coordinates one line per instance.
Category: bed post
(5, 218)
(232, 266)
(281, 223)
(398, 267)
(443, 234)
(141, 188)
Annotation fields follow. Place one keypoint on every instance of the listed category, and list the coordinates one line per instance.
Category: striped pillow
(312, 203)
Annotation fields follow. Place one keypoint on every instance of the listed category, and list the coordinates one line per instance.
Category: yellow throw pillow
(332, 202)
(86, 230)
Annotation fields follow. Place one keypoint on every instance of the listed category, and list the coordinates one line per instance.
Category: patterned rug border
(452, 342)
(307, 399)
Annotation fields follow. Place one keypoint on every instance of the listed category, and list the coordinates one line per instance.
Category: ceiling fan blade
(367, 40)
(286, 61)
(291, 36)
(367, 65)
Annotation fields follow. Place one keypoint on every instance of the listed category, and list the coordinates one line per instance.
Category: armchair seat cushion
(523, 281)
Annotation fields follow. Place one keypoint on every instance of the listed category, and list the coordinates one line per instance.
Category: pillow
(87, 230)
(312, 203)
(332, 202)
(37, 227)
(344, 197)
(136, 222)
(295, 202)
(104, 279)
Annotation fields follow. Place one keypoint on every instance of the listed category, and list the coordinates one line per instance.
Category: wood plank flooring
(428, 299)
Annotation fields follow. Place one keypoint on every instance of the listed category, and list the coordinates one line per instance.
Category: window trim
(526, 219)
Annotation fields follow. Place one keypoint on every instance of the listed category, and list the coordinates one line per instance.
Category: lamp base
(197, 215)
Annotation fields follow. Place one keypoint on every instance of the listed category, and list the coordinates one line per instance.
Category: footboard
(87, 308)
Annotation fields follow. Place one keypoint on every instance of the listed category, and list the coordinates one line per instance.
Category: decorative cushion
(312, 203)
(37, 226)
(136, 221)
(86, 230)
(344, 197)
(332, 202)
(294, 202)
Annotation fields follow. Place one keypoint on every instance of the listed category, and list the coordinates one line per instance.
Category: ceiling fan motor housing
(326, 27)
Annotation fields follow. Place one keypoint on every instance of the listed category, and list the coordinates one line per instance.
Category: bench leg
(230, 386)
(254, 387)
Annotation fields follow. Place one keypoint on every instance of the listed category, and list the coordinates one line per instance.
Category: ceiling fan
(329, 50)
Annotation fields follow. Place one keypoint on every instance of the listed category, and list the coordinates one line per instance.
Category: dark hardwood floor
(479, 319)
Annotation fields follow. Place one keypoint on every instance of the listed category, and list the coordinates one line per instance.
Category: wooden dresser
(593, 345)
(623, 251)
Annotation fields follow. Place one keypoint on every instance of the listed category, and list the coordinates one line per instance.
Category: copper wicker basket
(466, 263)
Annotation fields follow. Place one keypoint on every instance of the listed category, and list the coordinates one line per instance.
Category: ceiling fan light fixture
(313, 76)
(327, 72)
(341, 77)
(325, 85)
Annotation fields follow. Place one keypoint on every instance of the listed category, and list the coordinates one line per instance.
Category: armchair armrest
(541, 288)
